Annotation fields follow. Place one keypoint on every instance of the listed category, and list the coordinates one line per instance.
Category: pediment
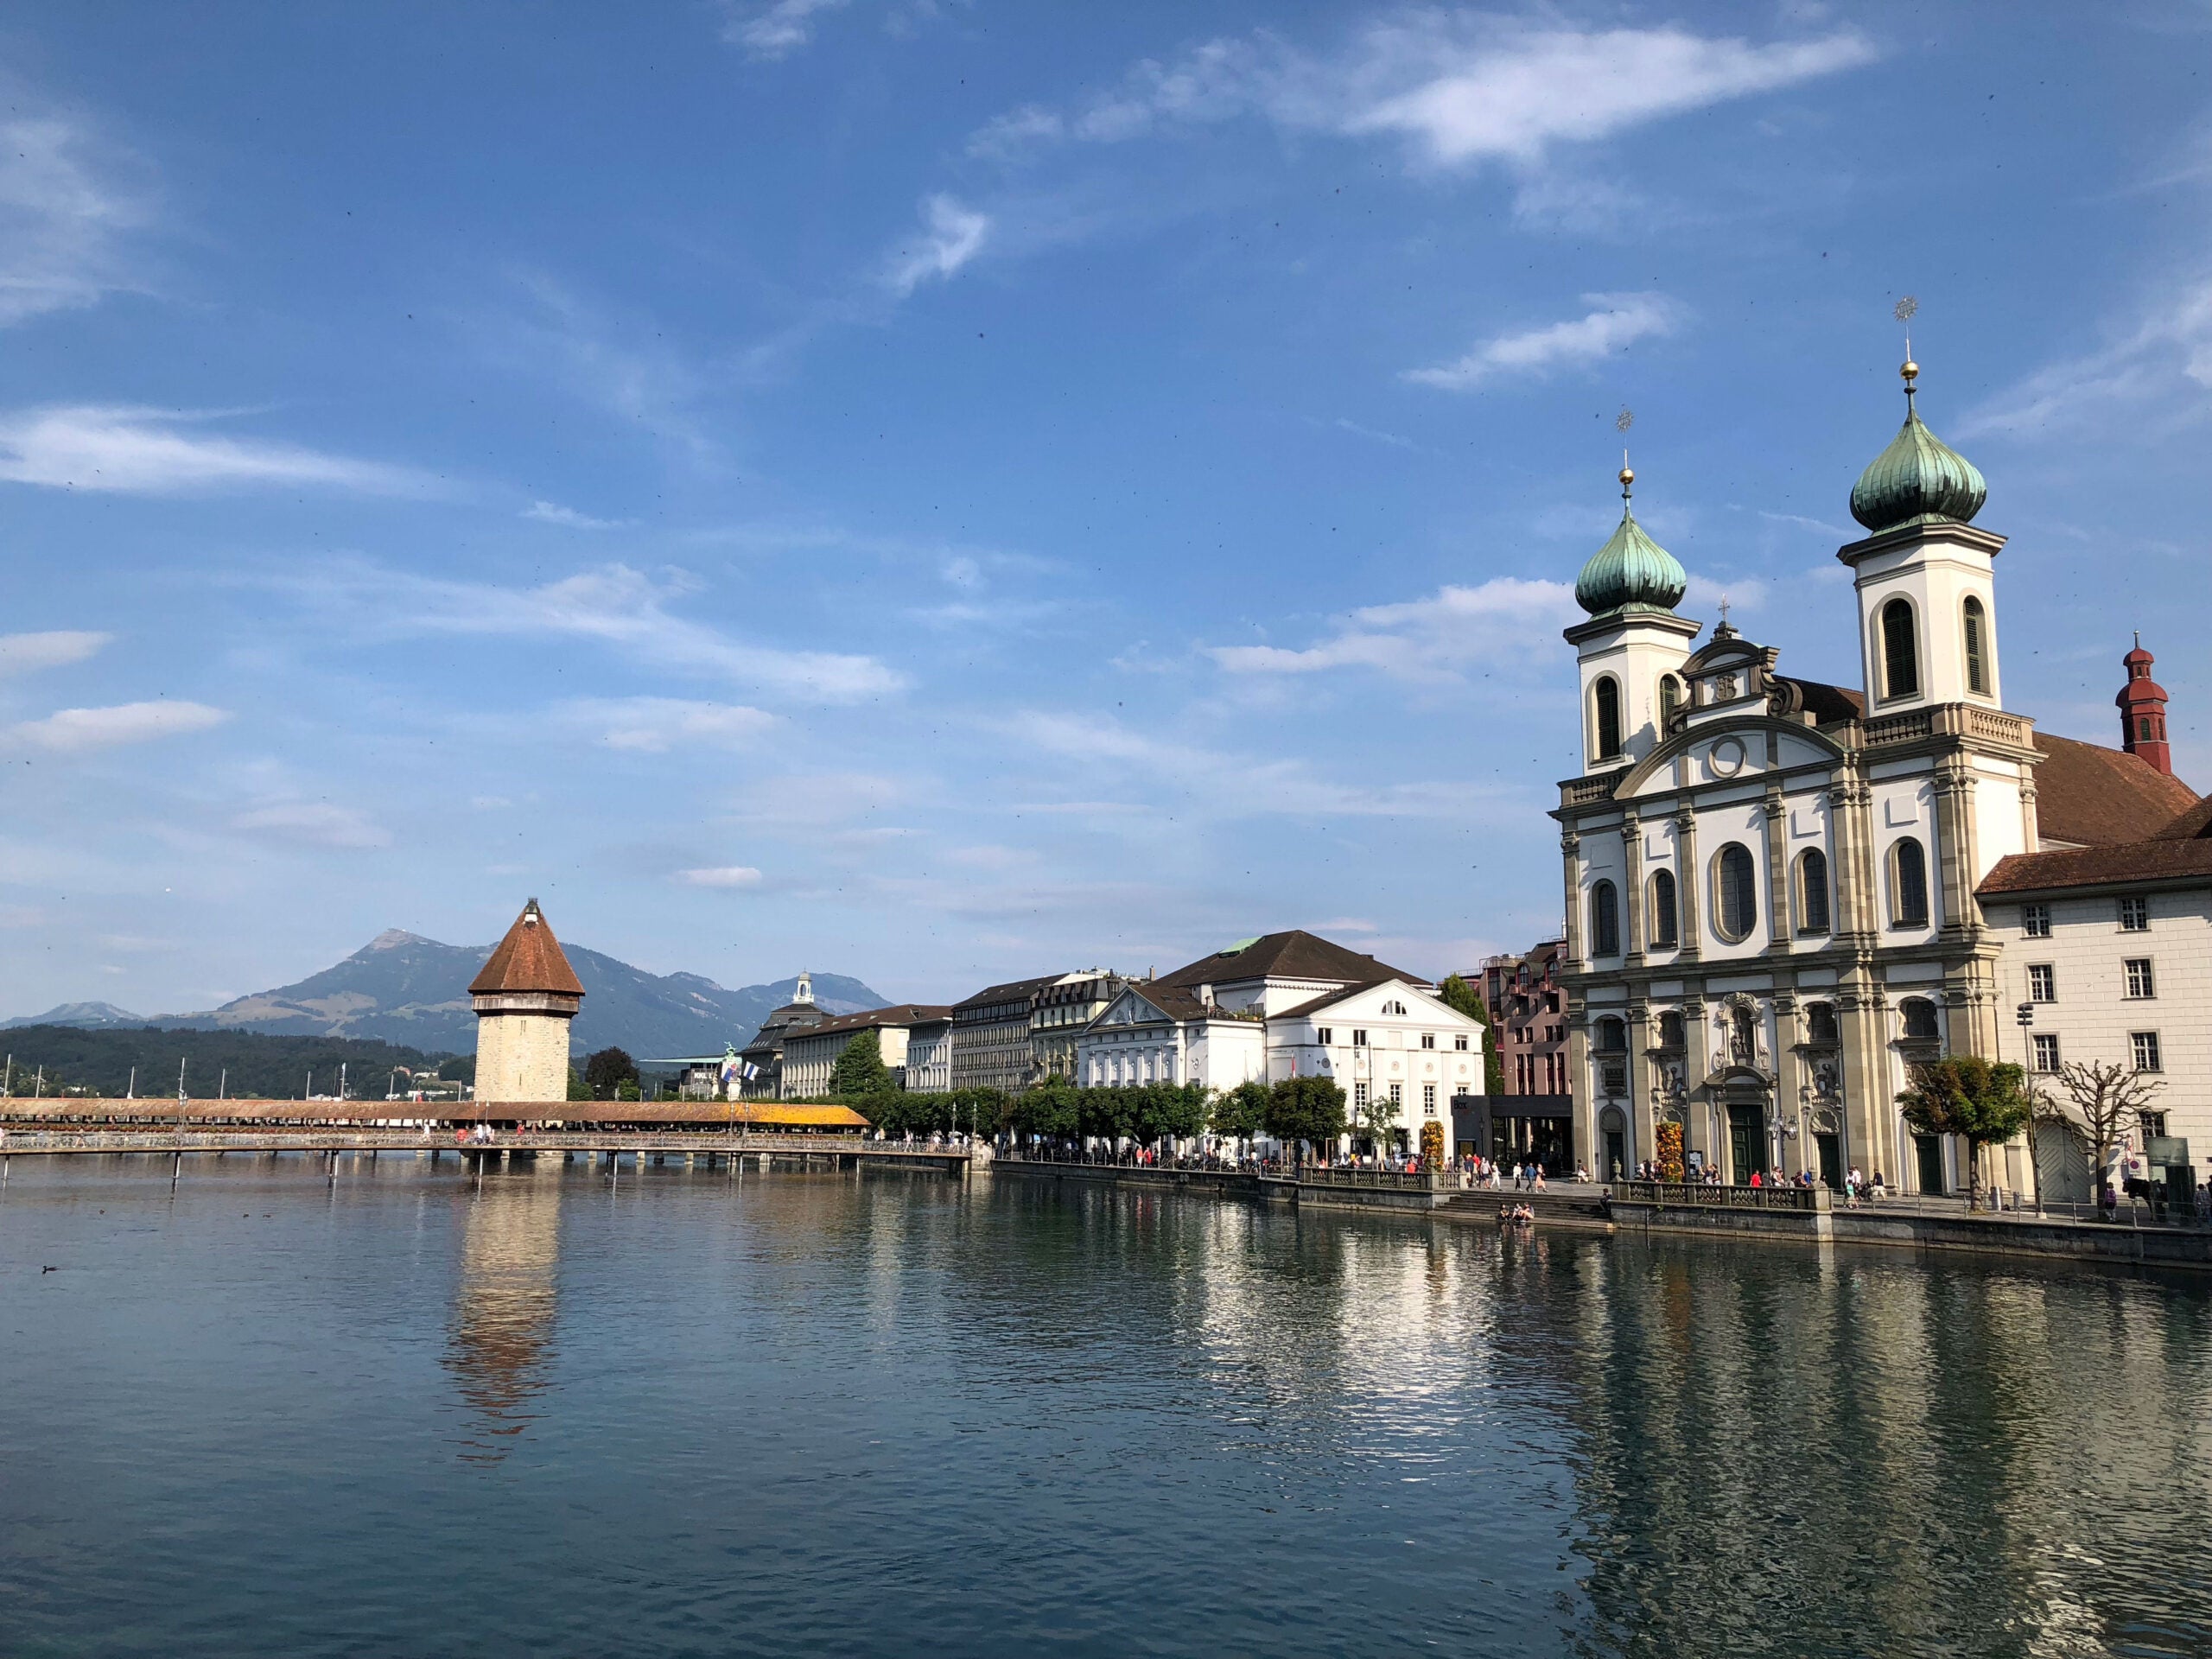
(1724, 750)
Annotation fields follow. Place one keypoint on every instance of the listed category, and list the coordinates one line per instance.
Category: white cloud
(777, 30)
(71, 731)
(656, 725)
(1441, 637)
(63, 219)
(26, 653)
(140, 451)
(314, 824)
(551, 512)
(952, 235)
(2161, 360)
(728, 875)
(613, 605)
(1460, 88)
(1615, 322)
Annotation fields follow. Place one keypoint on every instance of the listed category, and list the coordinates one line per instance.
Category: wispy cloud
(314, 824)
(144, 452)
(2161, 360)
(26, 653)
(1615, 322)
(551, 512)
(656, 725)
(1459, 88)
(725, 875)
(951, 236)
(777, 30)
(1437, 639)
(613, 605)
(64, 218)
(72, 731)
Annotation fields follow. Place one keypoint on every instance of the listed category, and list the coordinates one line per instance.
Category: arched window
(1908, 884)
(1900, 653)
(1819, 1023)
(1664, 923)
(1607, 693)
(1394, 1007)
(1977, 632)
(1671, 699)
(1919, 1017)
(1605, 920)
(1812, 891)
(1735, 907)
(1670, 1029)
(1612, 1037)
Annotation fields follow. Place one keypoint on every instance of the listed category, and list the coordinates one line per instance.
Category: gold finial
(1628, 477)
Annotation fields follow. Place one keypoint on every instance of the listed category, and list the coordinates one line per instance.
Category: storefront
(1519, 1129)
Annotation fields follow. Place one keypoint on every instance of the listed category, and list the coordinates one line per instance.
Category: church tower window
(1908, 884)
(1607, 693)
(1813, 892)
(1663, 922)
(1977, 632)
(1900, 652)
(1670, 699)
(1605, 920)
(1735, 880)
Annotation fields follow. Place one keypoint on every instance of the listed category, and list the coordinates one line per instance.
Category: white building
(1291, 1005)
(810, 1053)
(1770, 882)
(928, 1057)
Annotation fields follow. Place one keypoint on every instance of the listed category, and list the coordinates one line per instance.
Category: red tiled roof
(2096, 796)
(2096, 866)
(529, 959)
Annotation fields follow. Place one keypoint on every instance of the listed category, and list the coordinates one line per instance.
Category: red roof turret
(529, 959)
(2142, 705)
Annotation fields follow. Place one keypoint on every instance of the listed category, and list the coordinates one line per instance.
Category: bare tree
(2111, 1100)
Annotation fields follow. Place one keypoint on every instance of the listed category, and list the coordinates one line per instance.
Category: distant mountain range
(401, 988)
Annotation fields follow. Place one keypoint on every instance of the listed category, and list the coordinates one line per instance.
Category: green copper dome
(1630, 569)
(1918, 479)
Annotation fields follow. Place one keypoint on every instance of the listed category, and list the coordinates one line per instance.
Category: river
(870, 1413)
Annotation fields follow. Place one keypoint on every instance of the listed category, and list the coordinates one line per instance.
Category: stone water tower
(524, 999)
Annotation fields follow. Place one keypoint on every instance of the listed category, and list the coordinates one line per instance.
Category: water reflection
(501, 1334)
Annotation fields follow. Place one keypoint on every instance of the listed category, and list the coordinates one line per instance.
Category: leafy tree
(1307, 1111)
(860, 1073)
(1458, 994)
(1054, 1108)
(1242, 1112)
(1170, 1111)
(606, 1072)
(1978, 1100)
(1378, 1117)
(2111, 1100)
(578, 1089)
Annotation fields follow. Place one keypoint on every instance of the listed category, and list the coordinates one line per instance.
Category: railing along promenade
(1800, 1200)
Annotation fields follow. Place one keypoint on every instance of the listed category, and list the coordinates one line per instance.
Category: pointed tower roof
(529, 959)
(1918, 479)
(1630, 572)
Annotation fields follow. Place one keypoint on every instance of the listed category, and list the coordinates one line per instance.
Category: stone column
(1570, 848)
(1632, 890)
(1697, 1053)
(1777, 867)
(1640, 1107)
(1869, 1106)
(1952, 788)
(1790, 1079)
(1686, 886)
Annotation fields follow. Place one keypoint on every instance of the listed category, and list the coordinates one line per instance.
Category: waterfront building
(2106, 939)
(809, 1056)
(1769, 881)
(1287, 1005)
(992, 1044)
(1528, 1012)
(929, 1055)
(1062, 1010)
(761, 1060)
(524, 998)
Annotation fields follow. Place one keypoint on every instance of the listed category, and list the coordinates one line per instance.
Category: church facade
(1769, 881)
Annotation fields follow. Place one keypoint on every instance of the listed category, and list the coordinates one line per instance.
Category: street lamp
(2024, 1015)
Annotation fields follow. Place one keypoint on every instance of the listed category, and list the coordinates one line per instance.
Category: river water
(899, 1414)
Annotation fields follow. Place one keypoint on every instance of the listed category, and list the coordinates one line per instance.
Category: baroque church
(1770, 882)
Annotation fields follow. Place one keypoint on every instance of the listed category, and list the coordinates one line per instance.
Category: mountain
(80, 1016)
(401, 988)
(243, 1064)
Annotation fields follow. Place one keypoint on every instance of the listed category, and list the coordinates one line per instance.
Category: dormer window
(1394, 1007)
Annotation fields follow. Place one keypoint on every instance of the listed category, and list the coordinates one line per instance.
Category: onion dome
(1631, 571)
(1918, 479)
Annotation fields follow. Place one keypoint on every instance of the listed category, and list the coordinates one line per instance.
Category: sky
(948, 490)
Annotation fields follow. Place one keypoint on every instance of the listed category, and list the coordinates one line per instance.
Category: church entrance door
(1831, 1150)
(1931, 1162)
(1746, 1142)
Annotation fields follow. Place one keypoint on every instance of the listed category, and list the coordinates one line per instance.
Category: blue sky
(942, 491)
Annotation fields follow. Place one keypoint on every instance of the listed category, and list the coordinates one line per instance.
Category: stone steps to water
(1578, 1207)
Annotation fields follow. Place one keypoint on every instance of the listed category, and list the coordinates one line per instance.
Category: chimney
(2142, 704)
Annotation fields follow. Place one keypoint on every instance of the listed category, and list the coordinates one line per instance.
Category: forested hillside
(237, 1063)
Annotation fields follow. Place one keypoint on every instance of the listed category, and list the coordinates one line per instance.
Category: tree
(1458, 994)
(860, 1073)
(1378, 1117)
(1242, 1112)
(1978, 1100)
(1054, 1108)
(1170, 1111)
(2110, 1099)
(1305, 1110)
(606, 1072)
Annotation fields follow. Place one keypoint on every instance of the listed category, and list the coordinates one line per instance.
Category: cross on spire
(1723, 610)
